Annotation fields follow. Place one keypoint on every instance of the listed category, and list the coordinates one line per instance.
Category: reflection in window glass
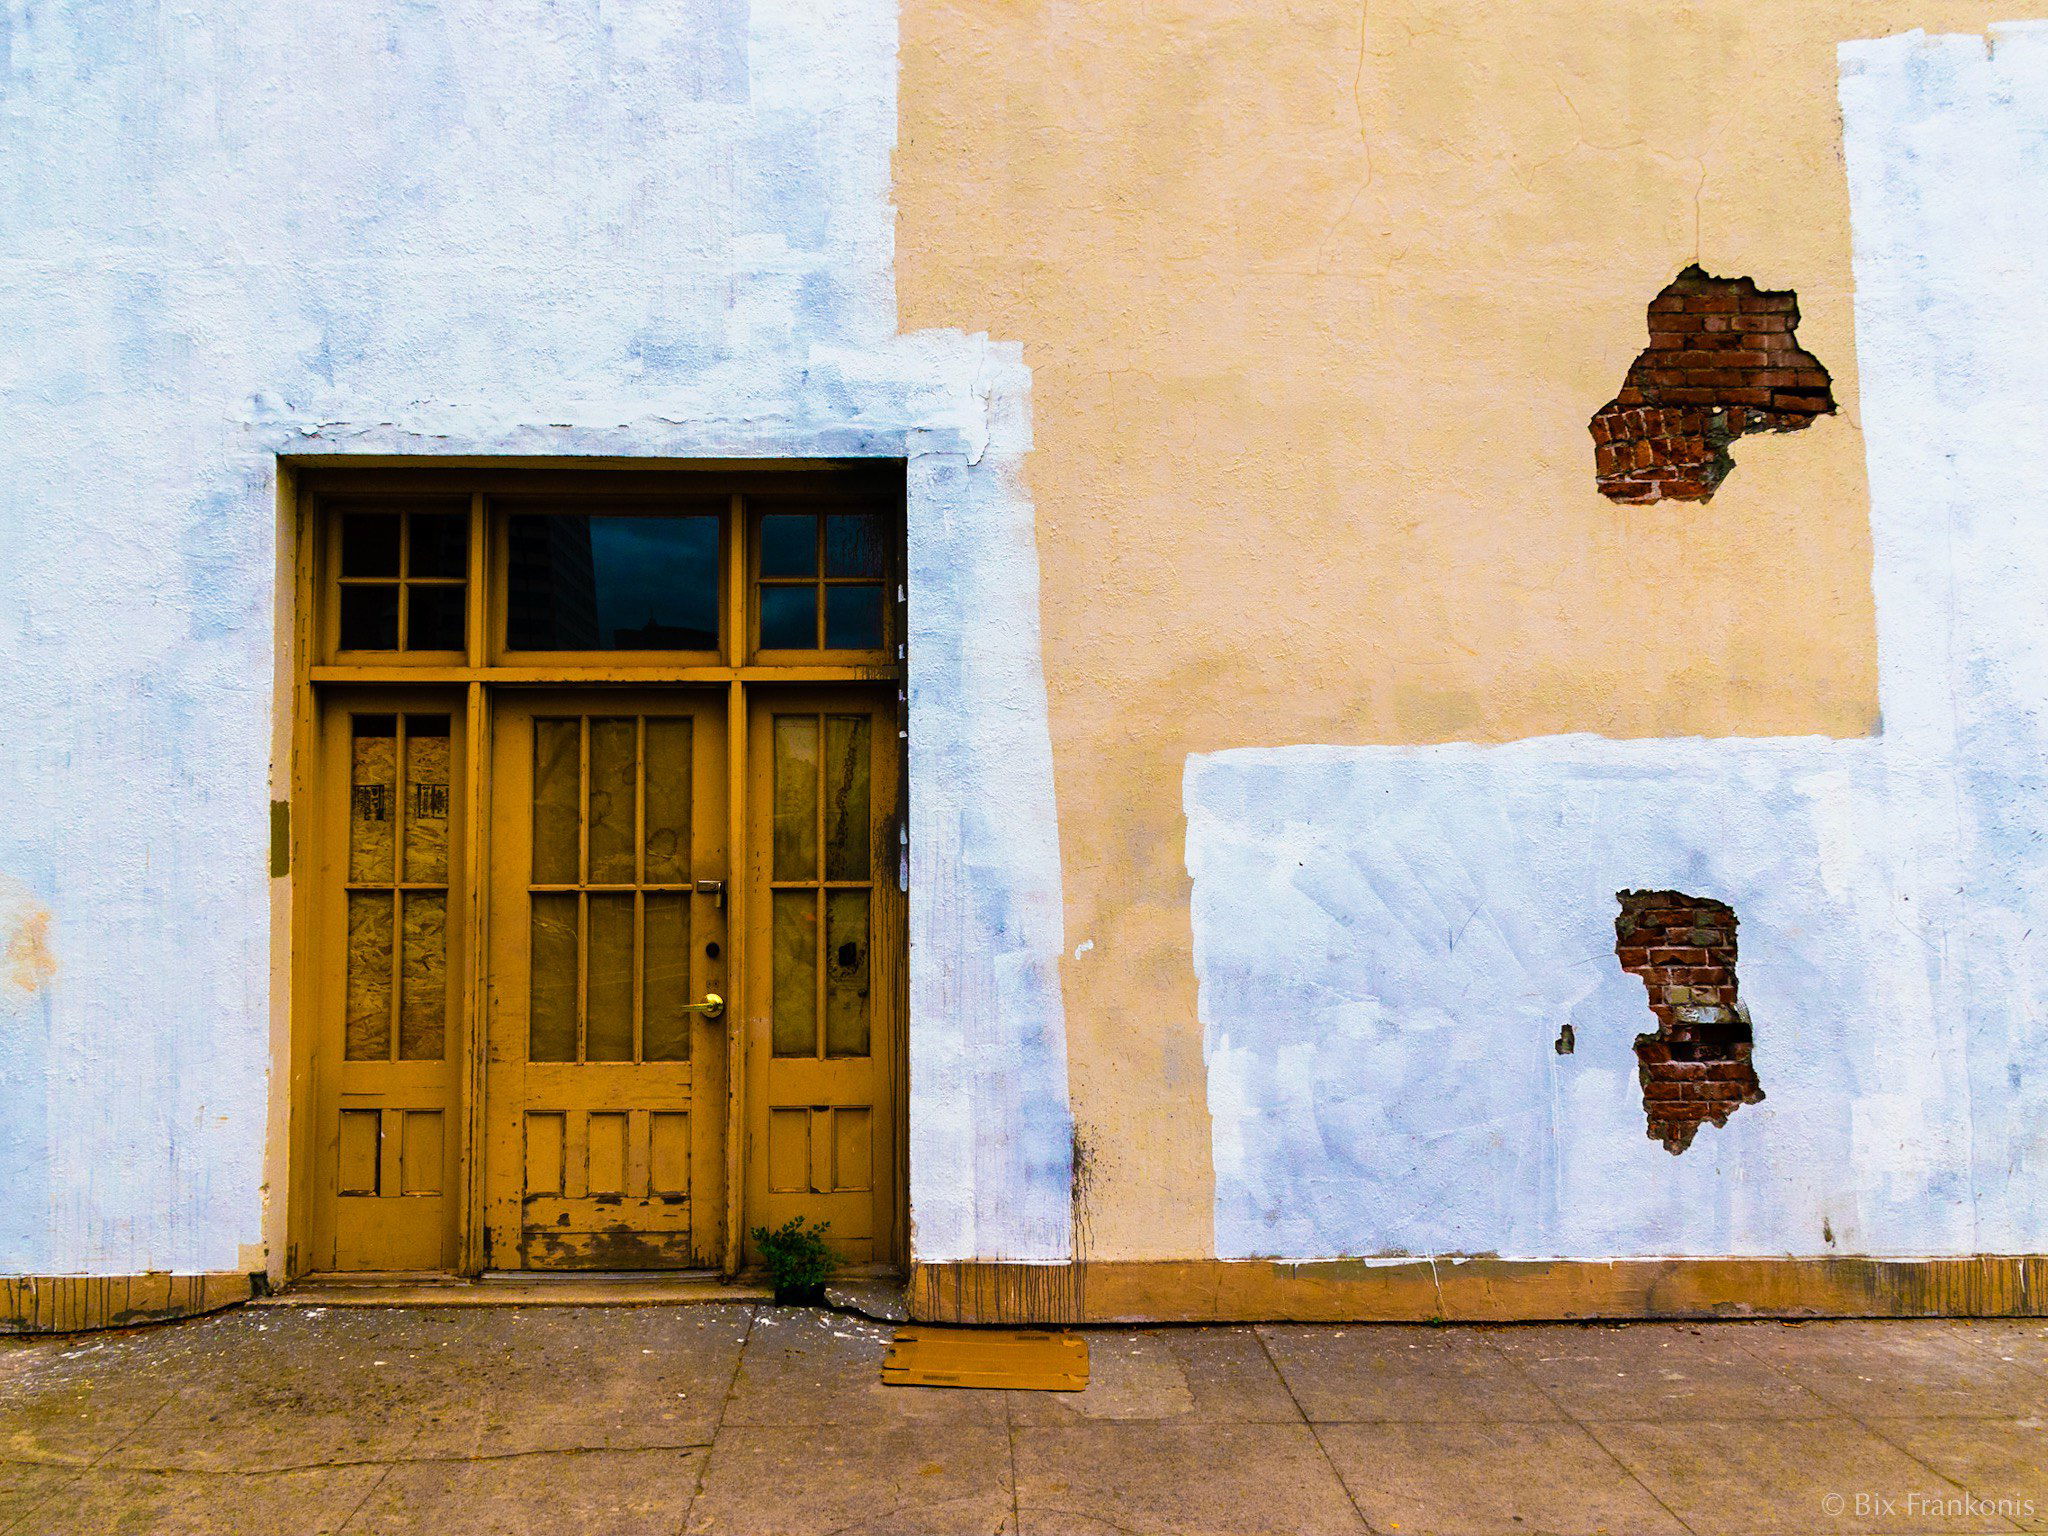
(789, 618)
(853, 545)
(577, 583)
(853, 618)
(789, 544)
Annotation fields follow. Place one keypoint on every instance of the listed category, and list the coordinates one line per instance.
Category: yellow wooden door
(385, 1091)
(824, 945)
(606, 1071)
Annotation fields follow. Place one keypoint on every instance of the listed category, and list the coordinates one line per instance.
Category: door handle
(712, 1006)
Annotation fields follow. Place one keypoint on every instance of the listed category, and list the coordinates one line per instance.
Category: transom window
(403, 575)
(627, 569)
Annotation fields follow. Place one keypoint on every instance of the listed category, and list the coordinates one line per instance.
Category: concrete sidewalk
(746, 1418)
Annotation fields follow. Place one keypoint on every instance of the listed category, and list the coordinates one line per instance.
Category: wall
(233, 232)
(1318, 301)
(1266, 527)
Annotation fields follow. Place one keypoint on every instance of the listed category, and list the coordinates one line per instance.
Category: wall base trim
(1479, 1290)
(74, 1303)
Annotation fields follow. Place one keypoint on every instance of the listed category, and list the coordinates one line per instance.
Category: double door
(566, 1028)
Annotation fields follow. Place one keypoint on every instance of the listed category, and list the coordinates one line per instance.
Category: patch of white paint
(662, 231)
(1388, 939)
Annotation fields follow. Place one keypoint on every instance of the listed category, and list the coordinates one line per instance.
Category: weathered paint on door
(385, 1061)
(546, 712)
(605, 1082)
(825, 915)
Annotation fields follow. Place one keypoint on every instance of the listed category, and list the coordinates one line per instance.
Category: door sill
(515, 1288)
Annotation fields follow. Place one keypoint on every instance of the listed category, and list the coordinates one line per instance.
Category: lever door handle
(712, 1006)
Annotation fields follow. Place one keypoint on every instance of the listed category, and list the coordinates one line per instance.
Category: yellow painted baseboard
(73, 1303)
(1479, 1290)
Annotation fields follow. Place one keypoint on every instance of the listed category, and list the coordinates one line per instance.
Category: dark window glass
(853, 618)
(580, 583)
(369, 618)
(369, 544)
(434, 621)
(853, 545)
(789, 618)
(789, 544)
(440, 544)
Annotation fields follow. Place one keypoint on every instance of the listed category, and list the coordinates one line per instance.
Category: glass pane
(440, 544)
(426, 798)
(853, 545)
(789, 618)
(369, 544)
(423, 978)
(796, 797)
(668, 802)
(847, 836)
(577, 583)
(789, 544)
(853, 618)
(796, 973)
(557, 801)
(608, 1019)
(665, 1027)
(369, 618)
(846, 973)
(372, 797)
(614, 753)
(551, 1021)
(433, 620)
(367, 1036)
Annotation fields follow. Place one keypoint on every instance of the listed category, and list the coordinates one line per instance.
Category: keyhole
(711, 950)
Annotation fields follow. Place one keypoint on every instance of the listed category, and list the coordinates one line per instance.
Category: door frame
(739, 670)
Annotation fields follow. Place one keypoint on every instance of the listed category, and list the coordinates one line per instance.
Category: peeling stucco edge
(990, 1127)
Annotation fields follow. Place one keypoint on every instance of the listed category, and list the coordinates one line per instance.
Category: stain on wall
(31, 964)
(1695, 1066)
(1723, 360)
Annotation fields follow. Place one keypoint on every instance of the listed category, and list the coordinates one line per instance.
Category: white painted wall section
(1388, 940)
(233, 231)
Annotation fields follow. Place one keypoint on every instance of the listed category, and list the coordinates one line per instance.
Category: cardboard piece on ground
(1026, 1358)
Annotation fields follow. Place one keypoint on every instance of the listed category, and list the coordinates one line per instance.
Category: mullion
(404, 565)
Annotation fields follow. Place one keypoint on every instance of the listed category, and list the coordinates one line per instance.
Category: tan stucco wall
(1318, 298)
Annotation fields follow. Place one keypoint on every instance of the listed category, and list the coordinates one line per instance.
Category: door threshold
(514, 1288)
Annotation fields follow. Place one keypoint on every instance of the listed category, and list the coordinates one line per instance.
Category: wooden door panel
(604, 1087)
(824, 903)
(387, 1042)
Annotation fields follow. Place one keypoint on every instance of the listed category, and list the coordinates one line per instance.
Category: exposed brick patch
(1723, 360)
(1696, 1067)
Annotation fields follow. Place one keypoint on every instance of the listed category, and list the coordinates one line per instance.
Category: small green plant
(799, 1262)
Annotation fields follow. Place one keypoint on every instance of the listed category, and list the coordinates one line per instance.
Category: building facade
(1167, 661)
